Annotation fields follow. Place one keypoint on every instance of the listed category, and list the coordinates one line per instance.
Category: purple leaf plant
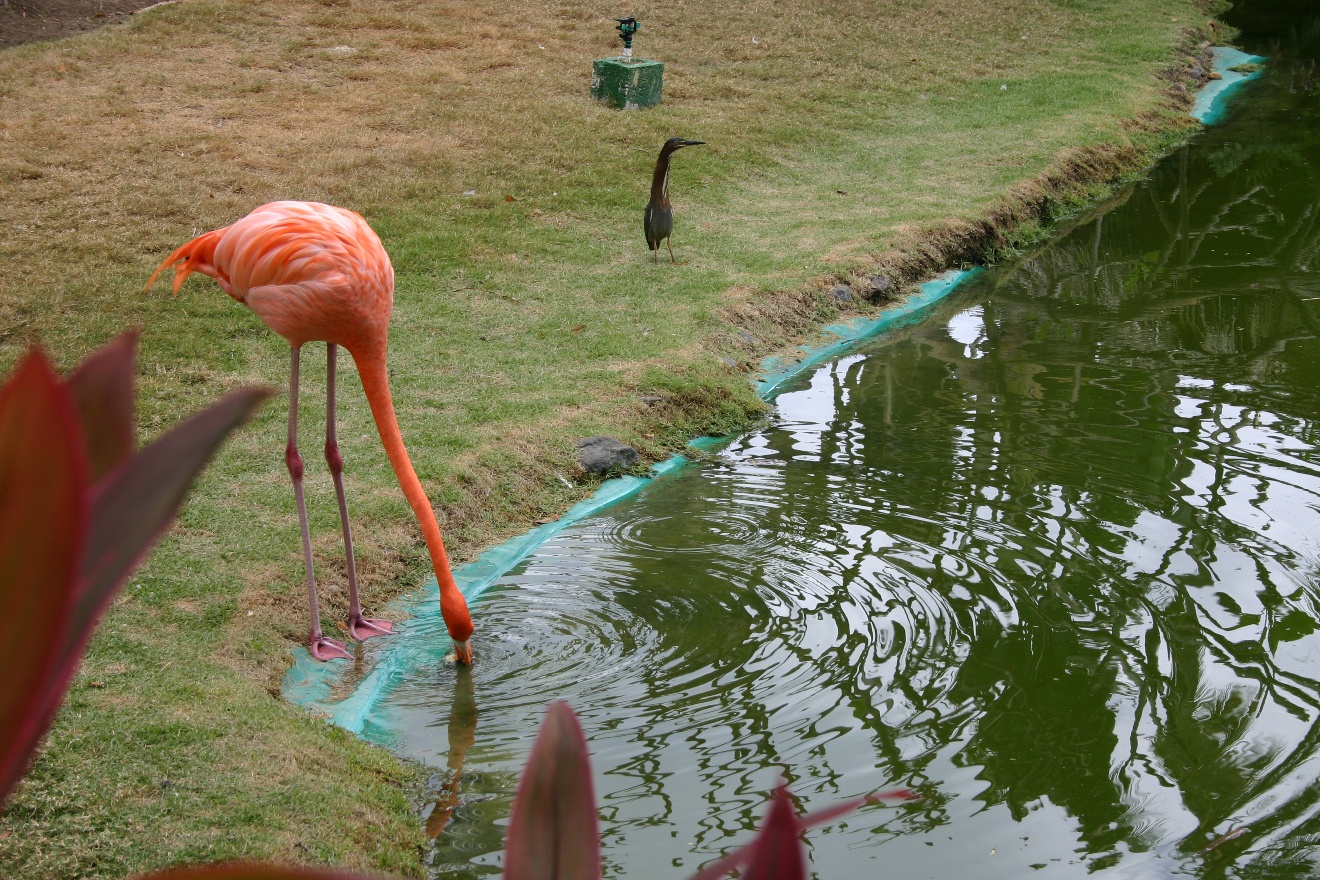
(79, 509)
(553, 836)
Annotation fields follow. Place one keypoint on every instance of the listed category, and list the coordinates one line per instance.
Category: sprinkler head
(627, 27)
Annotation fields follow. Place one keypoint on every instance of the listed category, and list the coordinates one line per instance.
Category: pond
(1049, 557)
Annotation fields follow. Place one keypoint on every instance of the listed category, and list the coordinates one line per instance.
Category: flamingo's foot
(363, 628)
(328, 649)
(462, 655)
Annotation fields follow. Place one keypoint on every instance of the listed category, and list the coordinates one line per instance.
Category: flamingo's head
(463, 653)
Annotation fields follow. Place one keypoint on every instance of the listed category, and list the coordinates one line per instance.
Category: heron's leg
(322, 648)
(669, 244)
(359, 627)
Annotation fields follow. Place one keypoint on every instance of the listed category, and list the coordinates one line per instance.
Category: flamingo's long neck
(376, 384)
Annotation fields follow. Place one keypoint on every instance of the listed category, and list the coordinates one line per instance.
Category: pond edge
(317, 686)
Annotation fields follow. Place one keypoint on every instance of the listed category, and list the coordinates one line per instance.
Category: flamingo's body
(317, 273)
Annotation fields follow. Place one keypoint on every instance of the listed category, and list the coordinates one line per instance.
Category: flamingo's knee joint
(334, 459)
(293, 461)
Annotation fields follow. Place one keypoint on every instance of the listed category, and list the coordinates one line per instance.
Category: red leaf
(777, 842)
(778, 853)
(248, 871)
(553, 831)
(43, 520)
(102, 388)
(133, 505)
(66, 546)
(843, 808)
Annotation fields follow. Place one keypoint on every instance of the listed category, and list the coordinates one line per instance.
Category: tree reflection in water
(1127, 421)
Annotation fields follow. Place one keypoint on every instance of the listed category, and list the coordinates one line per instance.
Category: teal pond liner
(1210, 105)
(421, 640)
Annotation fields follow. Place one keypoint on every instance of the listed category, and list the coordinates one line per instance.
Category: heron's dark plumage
(658, 221)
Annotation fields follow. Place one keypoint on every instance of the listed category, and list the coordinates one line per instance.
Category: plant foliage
(79, 509)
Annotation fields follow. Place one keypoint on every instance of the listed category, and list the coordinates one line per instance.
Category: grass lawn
(844, 138)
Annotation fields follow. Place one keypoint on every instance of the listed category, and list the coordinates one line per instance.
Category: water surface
(1050, 558)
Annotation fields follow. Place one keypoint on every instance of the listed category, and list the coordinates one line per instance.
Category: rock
(1197, 72)
(746, 337)
(598, 455)
(1214, 74)
(841, 292)
(878, 283)
(651, 399)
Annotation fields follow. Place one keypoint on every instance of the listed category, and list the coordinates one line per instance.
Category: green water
(1050, 558)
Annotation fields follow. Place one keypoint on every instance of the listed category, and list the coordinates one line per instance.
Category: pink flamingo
(317, 273)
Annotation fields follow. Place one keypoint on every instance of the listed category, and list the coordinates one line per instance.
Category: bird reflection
(462, 734)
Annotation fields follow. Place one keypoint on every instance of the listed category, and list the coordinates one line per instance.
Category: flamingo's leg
(321, 647)
(359, 627)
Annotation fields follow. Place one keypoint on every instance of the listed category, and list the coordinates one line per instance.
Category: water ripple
(1049, 558)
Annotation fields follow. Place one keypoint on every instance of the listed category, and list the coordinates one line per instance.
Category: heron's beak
(691, 143)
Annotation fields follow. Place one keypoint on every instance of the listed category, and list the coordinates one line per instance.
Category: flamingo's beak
(463, 653)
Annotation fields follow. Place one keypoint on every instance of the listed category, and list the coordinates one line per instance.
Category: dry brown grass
(119, 143)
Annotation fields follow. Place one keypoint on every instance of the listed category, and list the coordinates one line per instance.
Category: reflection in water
(1050, 558)
(462, 735)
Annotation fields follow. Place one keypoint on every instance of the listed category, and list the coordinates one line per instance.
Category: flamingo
(317, 273)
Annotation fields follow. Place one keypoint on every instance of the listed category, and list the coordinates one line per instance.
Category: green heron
(659, 219)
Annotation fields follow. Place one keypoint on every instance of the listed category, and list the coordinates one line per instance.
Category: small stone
(841, 292)
(652, 399)
(599, 455)
(878, 283)
(1197, 72)
(729, 362)
(746, 337)
(1214, 74)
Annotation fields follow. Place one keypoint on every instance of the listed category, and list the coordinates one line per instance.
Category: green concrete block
(627, 85)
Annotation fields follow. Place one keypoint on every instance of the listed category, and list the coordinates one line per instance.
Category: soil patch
(28, 21)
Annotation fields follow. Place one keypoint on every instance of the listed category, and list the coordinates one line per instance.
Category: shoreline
(318, 687)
